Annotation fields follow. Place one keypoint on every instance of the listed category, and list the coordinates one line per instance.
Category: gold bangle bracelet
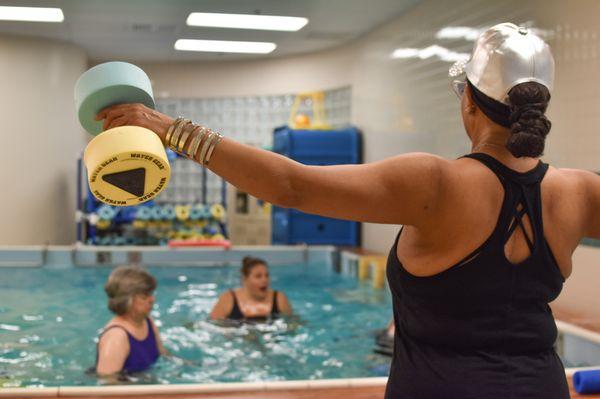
(212, 148)
(205, 135)
(195, 141)
(175, 137)
(170, 130)
(175, 128)
(205, 146)
(184, 136)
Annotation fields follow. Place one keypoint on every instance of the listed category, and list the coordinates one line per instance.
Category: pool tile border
(28, 392)
(178, 389)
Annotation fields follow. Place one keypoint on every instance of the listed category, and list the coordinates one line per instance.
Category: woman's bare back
(469, 213)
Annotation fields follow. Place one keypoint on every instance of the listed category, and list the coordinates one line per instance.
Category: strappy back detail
(516, 204)
(522, 197)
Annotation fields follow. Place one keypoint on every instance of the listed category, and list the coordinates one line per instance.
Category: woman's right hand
(136, 115)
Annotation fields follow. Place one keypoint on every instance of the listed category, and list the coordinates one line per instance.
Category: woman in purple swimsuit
(130, 341)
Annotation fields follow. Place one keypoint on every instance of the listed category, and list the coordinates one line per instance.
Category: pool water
(49, 320)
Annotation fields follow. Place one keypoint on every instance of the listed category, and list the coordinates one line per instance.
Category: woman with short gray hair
(130, 342)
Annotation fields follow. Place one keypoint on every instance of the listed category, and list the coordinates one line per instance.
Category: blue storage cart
(316, 147)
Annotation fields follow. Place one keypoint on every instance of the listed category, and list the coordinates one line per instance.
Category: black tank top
(236, 312)
(482, 328)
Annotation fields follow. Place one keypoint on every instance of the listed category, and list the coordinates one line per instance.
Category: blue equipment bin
(316, 147)
(295, 227)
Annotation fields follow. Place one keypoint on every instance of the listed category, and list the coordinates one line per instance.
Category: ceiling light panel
(31, 14)
(246, 21)
(221, 46)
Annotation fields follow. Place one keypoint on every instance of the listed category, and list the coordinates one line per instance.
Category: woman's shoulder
(228, 295)
(571, 190)
(113, 330)
(115, 322)
(562, 184)
(573, 176)
(112, 323)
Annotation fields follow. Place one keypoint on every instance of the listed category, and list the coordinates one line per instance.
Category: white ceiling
(145, 30)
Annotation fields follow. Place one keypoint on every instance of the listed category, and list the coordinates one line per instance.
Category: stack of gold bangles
(201, 139)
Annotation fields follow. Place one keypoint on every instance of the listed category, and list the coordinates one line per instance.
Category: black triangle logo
(133, 181)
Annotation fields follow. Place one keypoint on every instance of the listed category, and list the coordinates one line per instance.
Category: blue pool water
(49, 320)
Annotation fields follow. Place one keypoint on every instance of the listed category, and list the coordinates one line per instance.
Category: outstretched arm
(402, 190)
(399, 190)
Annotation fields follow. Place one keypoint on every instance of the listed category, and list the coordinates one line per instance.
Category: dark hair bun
(529, 126)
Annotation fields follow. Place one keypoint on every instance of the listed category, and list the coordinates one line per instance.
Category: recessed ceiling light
(220, 46)
(31, 14)
(246, 21)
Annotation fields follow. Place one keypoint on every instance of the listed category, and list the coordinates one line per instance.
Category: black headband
(495, 110)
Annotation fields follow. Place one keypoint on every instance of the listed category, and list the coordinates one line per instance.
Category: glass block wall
(250, 120)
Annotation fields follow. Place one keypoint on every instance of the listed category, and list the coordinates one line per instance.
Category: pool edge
(178, 389)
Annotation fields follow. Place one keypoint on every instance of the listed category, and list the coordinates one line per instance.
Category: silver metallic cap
(504, 56)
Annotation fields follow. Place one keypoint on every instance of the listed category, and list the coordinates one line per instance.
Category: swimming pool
(52, 307)
(49, 318)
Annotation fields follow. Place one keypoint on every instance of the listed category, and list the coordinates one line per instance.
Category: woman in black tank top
(254, 301)
(478, 264)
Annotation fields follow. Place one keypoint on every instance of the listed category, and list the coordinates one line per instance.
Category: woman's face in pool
(142, 304)
(257, 281)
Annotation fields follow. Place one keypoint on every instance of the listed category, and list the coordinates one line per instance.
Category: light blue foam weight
(106, 212)
(168, 212)
(156, 212)
(143, 213)
(196, 212)
(587, 381)
(206, 214)
(109, 84)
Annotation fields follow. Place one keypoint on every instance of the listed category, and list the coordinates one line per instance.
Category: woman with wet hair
(130, 341)
(487, 239)
(254, 301)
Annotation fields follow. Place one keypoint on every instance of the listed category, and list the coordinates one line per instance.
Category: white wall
(318, 71)
(41, 139)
